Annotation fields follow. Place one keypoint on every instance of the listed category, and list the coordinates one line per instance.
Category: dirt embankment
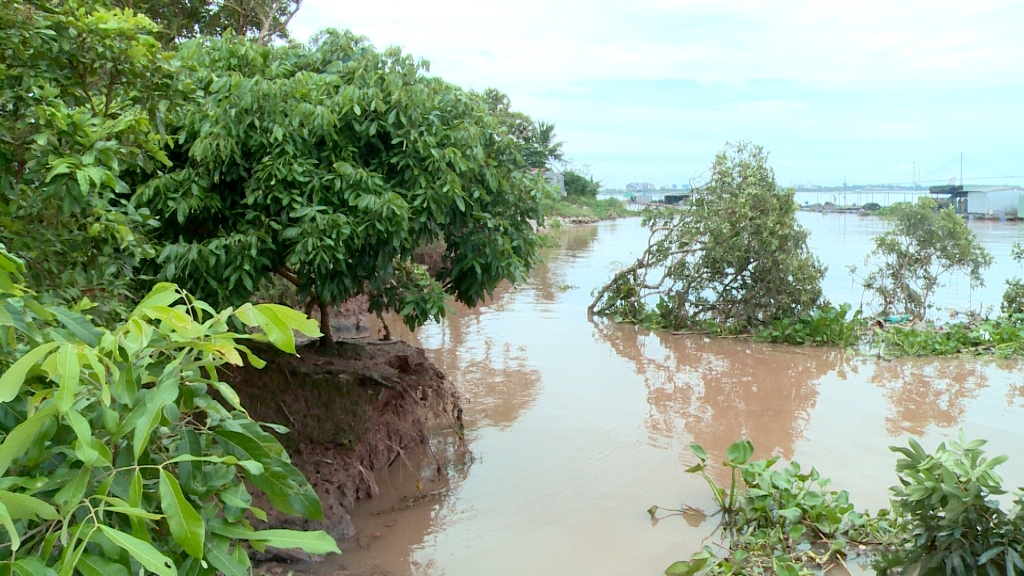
(352, 410)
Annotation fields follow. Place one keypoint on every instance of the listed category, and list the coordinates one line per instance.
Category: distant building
(984, 201)
(638, 186)
(556, 180)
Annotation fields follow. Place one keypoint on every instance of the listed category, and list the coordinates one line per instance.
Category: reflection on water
(718, 390)
(578, 427)
(925, 393)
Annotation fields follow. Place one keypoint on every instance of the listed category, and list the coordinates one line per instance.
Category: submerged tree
(923, 245)
(329, 164)
(735, 258)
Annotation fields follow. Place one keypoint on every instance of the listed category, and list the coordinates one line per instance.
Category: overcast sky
(649, 90)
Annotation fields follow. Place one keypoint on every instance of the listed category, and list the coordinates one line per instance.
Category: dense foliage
(262, 20)
(735, 259)
(944, 519)
(540, 149)
(952, 522)
(826, 325)
(923, 245)
(123, 451)
(329, 164)
(577, 184)
(1002, 336)
(83, 97)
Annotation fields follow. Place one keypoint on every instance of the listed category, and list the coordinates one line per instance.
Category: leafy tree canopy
(83, 94)
(261, 20)
(328, 164)
(537, 138)
(734, 259)
(923, 245)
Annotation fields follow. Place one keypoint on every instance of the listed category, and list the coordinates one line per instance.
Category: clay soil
(353, 409)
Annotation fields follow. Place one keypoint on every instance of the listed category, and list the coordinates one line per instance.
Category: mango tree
(329, 164)
(261, 20)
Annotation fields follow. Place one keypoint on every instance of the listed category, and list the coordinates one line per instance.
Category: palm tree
(541, 148)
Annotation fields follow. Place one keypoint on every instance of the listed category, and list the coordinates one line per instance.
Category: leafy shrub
(1013, 298)
(123, 452)
(953, 525)
(580, 185)
(923, 245)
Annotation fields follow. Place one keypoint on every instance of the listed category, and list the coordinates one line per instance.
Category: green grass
(586, 207)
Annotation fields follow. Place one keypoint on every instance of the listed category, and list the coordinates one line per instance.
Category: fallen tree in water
(733, 260)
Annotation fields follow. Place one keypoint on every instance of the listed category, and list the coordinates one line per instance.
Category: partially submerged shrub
(924, 245)
(1013, 298)
(735, 258)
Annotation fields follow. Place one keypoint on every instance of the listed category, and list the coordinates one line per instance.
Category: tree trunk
(384, 324)
(325, 325)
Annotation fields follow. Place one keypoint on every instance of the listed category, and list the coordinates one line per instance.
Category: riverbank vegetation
(944, 517)
(197, 151)
(585, 209)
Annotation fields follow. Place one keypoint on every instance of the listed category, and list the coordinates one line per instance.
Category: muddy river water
(577, 427)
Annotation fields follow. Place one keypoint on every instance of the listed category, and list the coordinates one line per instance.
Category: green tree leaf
(143, 552)
(70, 371)
(23, 436)
(14, 377)
(21, 506)
(187, 527)
(313, 542)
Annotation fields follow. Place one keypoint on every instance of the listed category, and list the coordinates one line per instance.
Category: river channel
(578, 427)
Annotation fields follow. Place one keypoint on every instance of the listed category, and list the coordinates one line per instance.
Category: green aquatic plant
(826, 325)
(944, 519)
(1002, 336)
(778, 520)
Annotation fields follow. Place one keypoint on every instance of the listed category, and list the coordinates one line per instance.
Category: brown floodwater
(578, 427)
